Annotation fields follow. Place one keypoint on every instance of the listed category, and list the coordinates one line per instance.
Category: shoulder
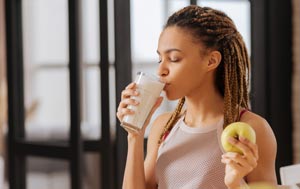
(260, 125)
(157, 127)
(156, 130)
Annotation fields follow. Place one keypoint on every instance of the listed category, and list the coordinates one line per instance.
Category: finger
(245, 160)
(128, 101)
(247, 151)
(242, 163)
(122, 105)
(253, 147)
(236, 157)
(119, 116)
(231, 163)
(239, 168)
(126, 111)
(131, 86)
(123, 112)
(128, 93)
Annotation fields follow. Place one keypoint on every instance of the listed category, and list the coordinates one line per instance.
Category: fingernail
(232, 140)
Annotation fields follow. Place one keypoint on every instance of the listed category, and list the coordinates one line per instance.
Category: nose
(162, 70)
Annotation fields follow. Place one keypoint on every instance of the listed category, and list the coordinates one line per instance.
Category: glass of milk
(149, 88)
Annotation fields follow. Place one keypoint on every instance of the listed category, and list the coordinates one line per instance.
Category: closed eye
(174, 59)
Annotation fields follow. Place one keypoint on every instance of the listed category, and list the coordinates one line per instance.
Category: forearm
(134, 177)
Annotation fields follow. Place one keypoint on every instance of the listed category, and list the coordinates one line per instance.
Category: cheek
(176, 91)
(182, 80)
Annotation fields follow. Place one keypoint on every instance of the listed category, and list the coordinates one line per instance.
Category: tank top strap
(243, 112)
(174, 128)
(181, 116)
(169, 134)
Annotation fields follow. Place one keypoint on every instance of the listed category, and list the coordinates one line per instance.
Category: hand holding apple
(236, 130)
(238, 140)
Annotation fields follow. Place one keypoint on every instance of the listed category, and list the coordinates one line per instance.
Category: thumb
(157, 103)
(155, 106)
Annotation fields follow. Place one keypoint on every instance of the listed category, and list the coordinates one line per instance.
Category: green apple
(261, 185)
(235, 130)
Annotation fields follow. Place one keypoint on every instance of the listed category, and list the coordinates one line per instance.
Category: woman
(204, 63)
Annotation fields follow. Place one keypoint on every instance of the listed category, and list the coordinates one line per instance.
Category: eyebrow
(169, 50)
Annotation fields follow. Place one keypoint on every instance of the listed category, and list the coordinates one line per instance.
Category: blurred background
(64, 63)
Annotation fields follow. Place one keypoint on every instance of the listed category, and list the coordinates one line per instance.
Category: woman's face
(182, 63)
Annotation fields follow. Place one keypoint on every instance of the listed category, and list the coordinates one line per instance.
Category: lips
(166, 86)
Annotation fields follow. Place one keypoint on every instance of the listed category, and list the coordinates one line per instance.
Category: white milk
(150, 88)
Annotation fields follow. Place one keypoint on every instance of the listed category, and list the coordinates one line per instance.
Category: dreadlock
(216, 31)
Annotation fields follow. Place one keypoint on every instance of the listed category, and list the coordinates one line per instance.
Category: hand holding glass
(149, 88)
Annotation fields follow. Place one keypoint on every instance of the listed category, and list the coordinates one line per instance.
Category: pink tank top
(190, 158)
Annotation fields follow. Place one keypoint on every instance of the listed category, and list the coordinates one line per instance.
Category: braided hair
(216, 31)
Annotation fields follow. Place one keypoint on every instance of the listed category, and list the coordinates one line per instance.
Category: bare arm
(267, 149)
(139, 173)
(134, 176)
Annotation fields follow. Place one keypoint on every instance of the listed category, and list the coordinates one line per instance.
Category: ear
(214, 59)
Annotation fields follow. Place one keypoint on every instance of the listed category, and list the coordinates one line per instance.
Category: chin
(171, 96)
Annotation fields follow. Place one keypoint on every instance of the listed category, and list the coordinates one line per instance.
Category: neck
(204, 107)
